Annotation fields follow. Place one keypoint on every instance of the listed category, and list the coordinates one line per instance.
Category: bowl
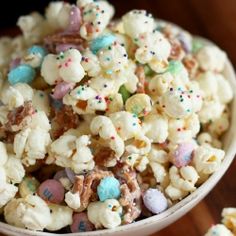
(158, 222)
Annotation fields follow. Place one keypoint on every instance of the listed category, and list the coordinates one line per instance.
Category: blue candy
(21, 74)
(37, 50)
(109, 188)
(101, 42)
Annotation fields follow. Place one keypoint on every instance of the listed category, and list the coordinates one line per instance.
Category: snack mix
(104, 123)
(228, 226)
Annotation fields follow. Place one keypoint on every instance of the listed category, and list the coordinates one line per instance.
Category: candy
(109, 188)
(37, 50)
(29, 185)
(81, 223)
(62, 89)
(175, 67)
(74, 19)
(51, 190)
(124, 93)
(182, 156)
(102, 42)
(155, 201)
(70, 174)
(21, 74)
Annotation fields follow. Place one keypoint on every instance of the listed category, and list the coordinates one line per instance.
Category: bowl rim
(174, 210)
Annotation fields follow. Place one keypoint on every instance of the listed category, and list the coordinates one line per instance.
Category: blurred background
(213, 19)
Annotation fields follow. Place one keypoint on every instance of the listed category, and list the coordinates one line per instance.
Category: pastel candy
(75, 19)
(155, 201)
(15, 62)
(102, 42)
(109, 188)
(29, 185)
(52, 191)
(60, 174)
(124, 93)
(81, 223)
(62, 89)
(37, 50)
(70, 174)
(175, 67)
(21, 74)
(183, 154)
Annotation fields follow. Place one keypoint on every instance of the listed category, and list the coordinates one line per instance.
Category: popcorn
(207, 159)
(229, 218)
(211, 58)
(70, 151)
(184, 178)
(153, 49)
(126, 124)
(218, 229)
(155, 127)
(141, 18)
(105, 214)
(61, 216)
(95, 18)
(64, 66)
(72, 200)
(103, 126)
(30, 212)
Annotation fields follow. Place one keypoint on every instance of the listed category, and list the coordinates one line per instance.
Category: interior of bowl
(182, 207)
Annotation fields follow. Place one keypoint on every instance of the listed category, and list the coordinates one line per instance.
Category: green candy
(175, 67)
(124, 93)
(148, 71)
(196, 45)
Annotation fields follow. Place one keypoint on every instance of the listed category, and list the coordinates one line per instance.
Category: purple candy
(60, 174)
(182, 156)
(75, 19)
(66, 46)
(81, 223)
(14, 63)
(52, 191)
(70, 174)
(155, 201)
(62, 89)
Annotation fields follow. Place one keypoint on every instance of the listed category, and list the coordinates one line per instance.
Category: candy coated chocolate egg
(155, 201)
(29, 185)
(52, 191)
(21, 74)
(109, 188)
(81, 223)
(183, 154)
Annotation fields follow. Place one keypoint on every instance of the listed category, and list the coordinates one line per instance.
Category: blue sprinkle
(109, 72)
(102, 42)
(109, 188)
(21, 74)
(37, 50)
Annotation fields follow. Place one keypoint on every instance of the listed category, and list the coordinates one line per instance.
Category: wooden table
(214, 19)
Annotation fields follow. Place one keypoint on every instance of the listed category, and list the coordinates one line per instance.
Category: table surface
(213, 19)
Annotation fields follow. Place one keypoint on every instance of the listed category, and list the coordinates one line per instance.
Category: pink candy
(15, 62)
(62, 89)
(182, 156)
(52, 191)
(81, 223)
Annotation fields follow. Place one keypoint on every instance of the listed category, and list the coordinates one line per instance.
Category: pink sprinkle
(62, 89)
(112, 137)
(66, 64)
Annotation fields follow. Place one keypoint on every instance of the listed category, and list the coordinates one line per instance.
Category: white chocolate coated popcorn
(64, 66)
(61, 216)
(73, 200)
(211, 58)
(96, 16)
(154, 49)
(218, 229)
(103, 126)
(207, 159)
(105, 214)
(70, 151)
(229, 218)
(184, 178)
(136, 18)
(30, 212)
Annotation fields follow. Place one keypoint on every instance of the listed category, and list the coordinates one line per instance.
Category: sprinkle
(109, 72)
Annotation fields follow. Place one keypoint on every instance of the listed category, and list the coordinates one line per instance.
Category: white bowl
(158, 222)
